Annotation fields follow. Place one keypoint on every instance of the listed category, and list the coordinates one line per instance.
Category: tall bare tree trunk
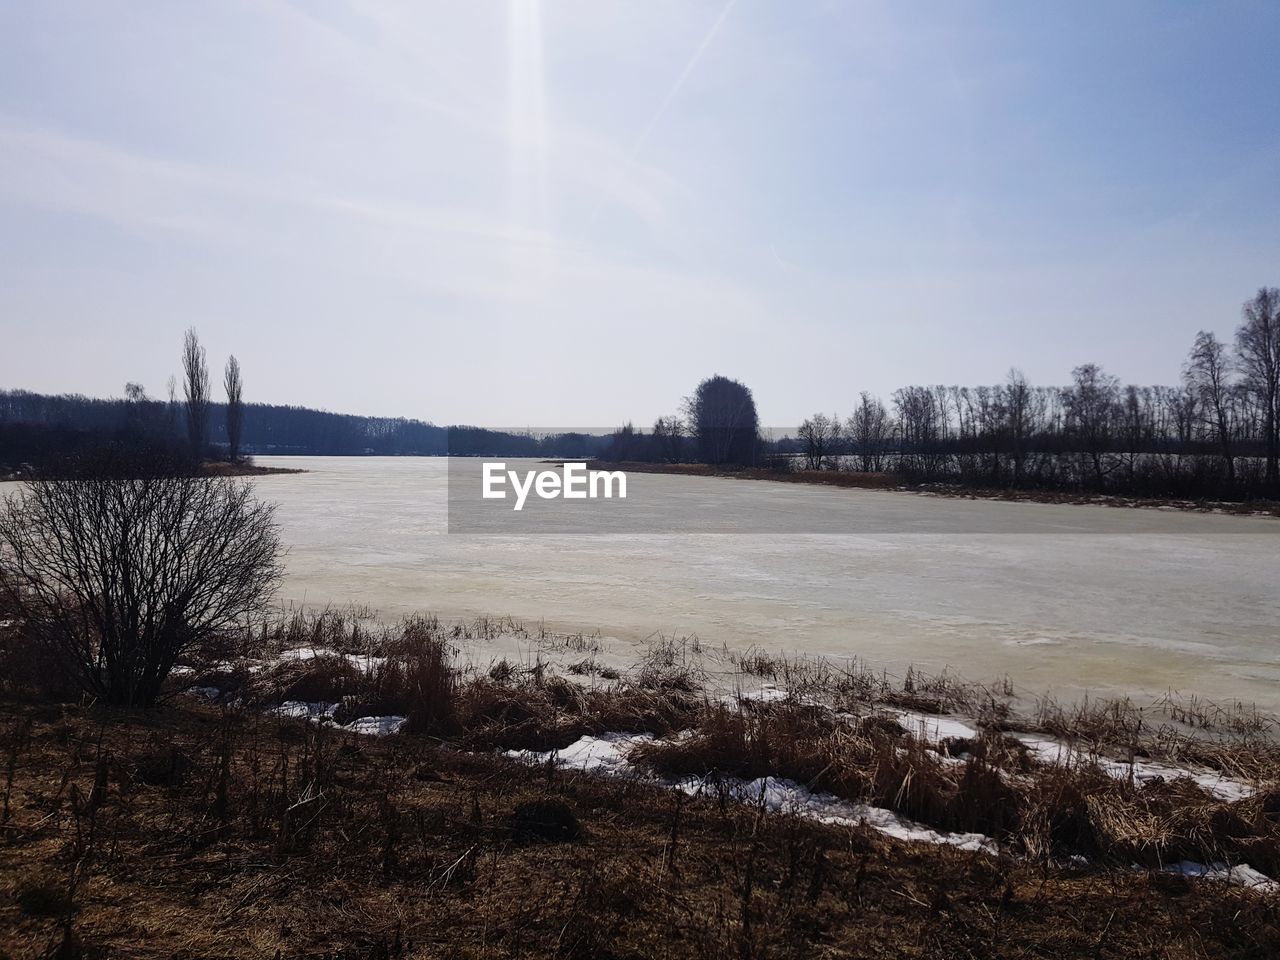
(235, 408)
(195, 385)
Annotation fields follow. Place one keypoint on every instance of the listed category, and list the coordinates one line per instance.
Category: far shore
(210, 468)
(221, 468)
(886, 481)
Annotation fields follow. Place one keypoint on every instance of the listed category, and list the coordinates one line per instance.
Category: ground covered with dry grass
(198, 831)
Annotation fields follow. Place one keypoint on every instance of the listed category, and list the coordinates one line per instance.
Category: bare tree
(1024, 413)
(1207, 376)
(869, 432)
(235, 408)
(123, 563)
(669, 433)
(195, 385)
(171, 408)
(922, 419)
(819, 434)
(1091, 404)
(136, 401)
(1134, 426)
(1258, 353)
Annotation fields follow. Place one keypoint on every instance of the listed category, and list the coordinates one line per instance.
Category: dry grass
(288, 839)
(986, 785)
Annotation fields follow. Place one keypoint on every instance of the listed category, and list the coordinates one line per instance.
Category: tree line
(1216, 434)
(37, 428)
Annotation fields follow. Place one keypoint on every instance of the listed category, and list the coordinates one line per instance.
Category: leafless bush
(123, 564)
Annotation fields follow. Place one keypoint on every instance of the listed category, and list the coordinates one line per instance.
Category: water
(1063, 598)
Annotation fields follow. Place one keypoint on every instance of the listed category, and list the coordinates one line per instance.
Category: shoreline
(210, 468)
(220, 468)
(886, 482)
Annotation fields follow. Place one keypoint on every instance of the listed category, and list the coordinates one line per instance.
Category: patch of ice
(931, 728)
(209, 693)
(366, 662)
(375, 726)
(766, 693)
(182, 671)
(323, 713)
(1241, 875)
(294, 709)
(604, 754)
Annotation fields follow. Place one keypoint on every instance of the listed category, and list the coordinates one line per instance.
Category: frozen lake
(1067, 598)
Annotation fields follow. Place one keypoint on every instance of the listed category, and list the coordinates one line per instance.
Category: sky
(568, 212)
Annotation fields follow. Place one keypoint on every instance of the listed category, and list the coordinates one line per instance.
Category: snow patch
(1055, 752)
(297, 709)
(365, 662)
(375, 726)
(1241, 875)
(932, 729)
(323, 713)
(607, 754)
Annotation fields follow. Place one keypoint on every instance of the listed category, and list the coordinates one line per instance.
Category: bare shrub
(123, 563)
(430, 680)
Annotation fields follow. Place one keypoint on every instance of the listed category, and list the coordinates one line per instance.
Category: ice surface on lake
(1057, 597)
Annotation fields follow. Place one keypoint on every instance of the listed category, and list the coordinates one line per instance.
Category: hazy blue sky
(569, 211)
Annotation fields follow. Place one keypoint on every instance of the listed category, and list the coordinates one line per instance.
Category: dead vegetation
(293, 839)
(987, 784)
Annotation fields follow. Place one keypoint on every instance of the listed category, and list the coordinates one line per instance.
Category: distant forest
(35, 426)
(1214, 435)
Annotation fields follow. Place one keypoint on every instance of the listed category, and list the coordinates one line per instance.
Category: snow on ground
(604, 754)
(1047, 750)
(375, 726)
(788, 796)
(295, 709)
(933, 729)
(323, 713)
(930, 728)
(1241, 875)
(365, 662)
(1050, 751)
(608, 755)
